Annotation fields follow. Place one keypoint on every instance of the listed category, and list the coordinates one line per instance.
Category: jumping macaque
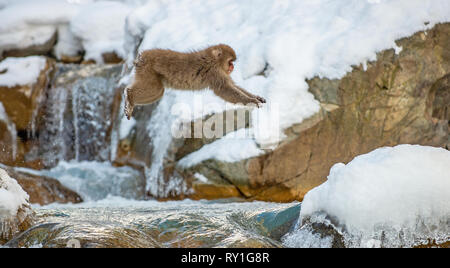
(160, 68)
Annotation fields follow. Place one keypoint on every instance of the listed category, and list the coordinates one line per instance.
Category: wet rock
(55, 235)
(36, 236)
(43, 190)
(275, 224)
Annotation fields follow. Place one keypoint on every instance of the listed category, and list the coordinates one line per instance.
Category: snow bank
(21, 71)
(12, 196)
(27, 23)
(100, 26)
(393, 196)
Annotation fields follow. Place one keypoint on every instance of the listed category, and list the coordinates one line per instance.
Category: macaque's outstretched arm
(232, 93)
(261, 99)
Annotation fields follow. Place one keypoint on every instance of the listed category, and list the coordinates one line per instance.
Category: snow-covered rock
(398, 99)
(15, 211)
(391, 197)
(23, 82)
(21, 71)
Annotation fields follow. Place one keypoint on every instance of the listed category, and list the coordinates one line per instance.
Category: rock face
(36, 49)
(21, 103)
(400, 98)
(44, 190)
(15, 211)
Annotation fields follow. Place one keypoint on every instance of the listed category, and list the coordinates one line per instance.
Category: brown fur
(160, 68)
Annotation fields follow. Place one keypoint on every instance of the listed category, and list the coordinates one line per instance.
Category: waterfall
(159, 131)
(11, 127)
(77, 115)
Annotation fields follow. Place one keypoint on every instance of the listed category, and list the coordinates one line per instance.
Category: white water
(77, 115)
(11, 127)
(95, 181)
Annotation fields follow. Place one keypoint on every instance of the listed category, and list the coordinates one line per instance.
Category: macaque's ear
(217, 52)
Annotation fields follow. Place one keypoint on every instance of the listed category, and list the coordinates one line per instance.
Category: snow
(26, 23)
(231, 148)
(100, 26)
(391, 190)
(68, 44)
(12, 196)
(126, 126)
(201, 177)
(21, 71)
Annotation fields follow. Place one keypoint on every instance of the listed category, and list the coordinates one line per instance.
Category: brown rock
(44, 190)
(71, 59)
(391, 103)
(399, 99)
(20, 101)
(38, 49)
(111, 58)
(21, 105)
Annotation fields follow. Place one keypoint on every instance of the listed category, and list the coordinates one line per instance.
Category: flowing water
(116, 222)
(76, 115)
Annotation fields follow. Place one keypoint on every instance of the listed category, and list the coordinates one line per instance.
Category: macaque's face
(225, 56)
(230, 66)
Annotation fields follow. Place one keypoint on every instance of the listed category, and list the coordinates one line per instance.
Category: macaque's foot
(261, 99)
(257, 101)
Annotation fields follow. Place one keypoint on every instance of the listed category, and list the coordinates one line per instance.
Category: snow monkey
(160, 68)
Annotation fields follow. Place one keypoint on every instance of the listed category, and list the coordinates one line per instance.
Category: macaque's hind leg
(142, 93)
